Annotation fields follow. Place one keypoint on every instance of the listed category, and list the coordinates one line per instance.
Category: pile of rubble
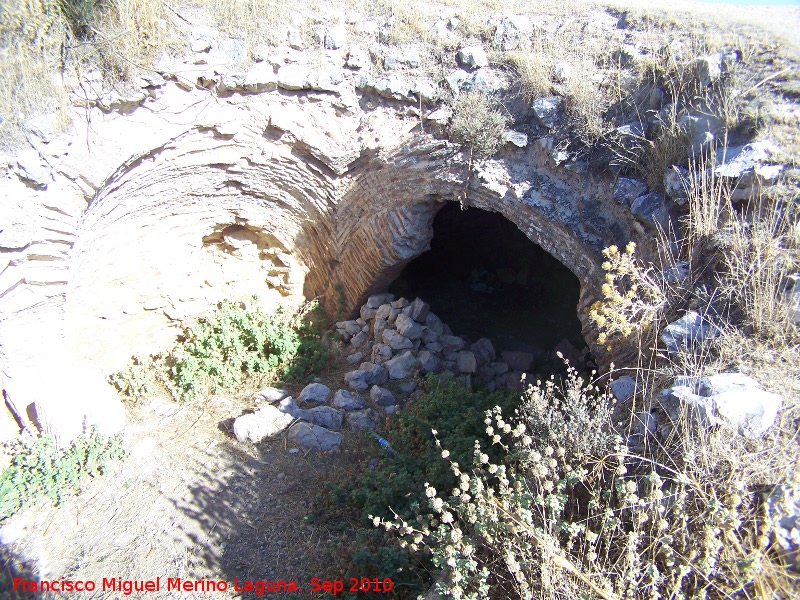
(398, 339)
(394, 342)
(318, 425)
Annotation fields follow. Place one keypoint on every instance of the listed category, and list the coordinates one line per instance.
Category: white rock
(260, 78)
(396, 341)
(434, 323)
(355, 358)
(417, 310)
(357, 58)
(440, 116)
(324, 416)
(547, 110)
(336, 37)
(516, 138)
(32, 168)
(360, 420)
(783, 511)
(270, 394)
(732, 400)
(428, 362)
(736, 161)
(408, 327)
(265, 422)
(230, 50)
(357, 379)
(288, 406)
(202, 38)
(792, 298)
(451, 343)
(402, 58)
(473, 57)
(123, 103)
(378, 300)
(293, 77)
(381, 396)
(563, 72)
(676, 181)
(512, 32)
(346, 400)
(676, 273)
(359, 339)
(466, 362)
(376, 374)
(293, 38)
(455, 79)
(42, 126)
(708, 68)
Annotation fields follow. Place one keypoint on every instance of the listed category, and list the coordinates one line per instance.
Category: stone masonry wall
(140, 220)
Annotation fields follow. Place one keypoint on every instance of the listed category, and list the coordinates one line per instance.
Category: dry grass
(532, 71)
(128, 34)
(30, 45)
(759, 254)
(249, 19)
(753, 248)
(409, 21)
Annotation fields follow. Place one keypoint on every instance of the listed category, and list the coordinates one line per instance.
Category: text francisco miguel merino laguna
(126, 586)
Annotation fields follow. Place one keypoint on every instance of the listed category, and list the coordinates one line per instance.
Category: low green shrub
(478, 124)
(40, 470)
(215, 352)
(311, 355)
(221, 348)
(395, 484)
(135, 380)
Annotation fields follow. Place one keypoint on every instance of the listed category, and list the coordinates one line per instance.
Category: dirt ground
(190, 502)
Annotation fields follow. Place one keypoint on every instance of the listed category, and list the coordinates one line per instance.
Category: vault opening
(485, 278)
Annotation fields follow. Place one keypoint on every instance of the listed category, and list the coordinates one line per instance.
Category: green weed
(39, 470)
(228, 344)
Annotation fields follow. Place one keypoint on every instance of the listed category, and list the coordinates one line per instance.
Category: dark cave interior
(485, 278)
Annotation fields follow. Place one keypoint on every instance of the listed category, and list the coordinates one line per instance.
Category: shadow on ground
(13, 566)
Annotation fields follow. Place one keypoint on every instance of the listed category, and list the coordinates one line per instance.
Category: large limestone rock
(402, 366)
(408, 328)
(346, 400)
(512, 32)
(324, 416)
(732, 400)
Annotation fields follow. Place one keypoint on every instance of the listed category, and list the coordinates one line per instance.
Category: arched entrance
(485, 278)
